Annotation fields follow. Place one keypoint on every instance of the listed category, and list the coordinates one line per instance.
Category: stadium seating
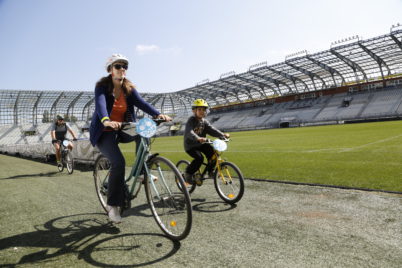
(325, 109)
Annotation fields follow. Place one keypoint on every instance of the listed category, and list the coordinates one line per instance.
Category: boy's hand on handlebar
(164, 117)
(227, 135)
(112, 124)
(202, 140)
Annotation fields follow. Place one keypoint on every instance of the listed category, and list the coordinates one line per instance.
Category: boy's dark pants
(196, 153)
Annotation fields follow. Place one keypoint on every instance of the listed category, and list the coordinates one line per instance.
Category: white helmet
(113, 59)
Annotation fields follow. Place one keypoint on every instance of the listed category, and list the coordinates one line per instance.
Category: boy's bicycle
(228, 179)
(170, 206)
(66, 157)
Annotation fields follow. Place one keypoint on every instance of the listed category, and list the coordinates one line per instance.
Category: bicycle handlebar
(53, 140)
(209, 141)
(126, 125)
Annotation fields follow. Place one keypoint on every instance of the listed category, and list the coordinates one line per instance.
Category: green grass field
(366, 155)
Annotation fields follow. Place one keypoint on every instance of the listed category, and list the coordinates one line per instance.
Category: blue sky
(171, 44)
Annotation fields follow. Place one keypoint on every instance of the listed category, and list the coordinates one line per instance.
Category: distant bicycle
(170, 205)
(228, 179)
(66, 159)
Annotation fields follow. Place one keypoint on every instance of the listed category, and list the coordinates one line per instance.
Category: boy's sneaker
(188, 178)
(114, 214)
(59, 164)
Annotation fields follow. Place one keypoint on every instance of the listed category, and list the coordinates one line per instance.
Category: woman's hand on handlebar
(112, 124)
(164, 117)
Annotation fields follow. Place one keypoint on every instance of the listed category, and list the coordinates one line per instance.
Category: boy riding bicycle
(197, 128)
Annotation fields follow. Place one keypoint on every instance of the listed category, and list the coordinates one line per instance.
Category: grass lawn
(366, 155)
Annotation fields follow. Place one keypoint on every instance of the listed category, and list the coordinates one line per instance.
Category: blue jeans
(108, 146)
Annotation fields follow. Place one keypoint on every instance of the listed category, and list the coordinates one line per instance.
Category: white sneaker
(154, 178)
(141, 178)
(114, 214)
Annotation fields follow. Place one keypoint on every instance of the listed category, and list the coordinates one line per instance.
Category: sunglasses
(119, 66)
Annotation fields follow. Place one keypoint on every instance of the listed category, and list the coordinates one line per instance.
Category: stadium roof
(348, 61)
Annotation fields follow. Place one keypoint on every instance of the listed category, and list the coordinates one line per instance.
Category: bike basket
(146, 127)
(219, 145)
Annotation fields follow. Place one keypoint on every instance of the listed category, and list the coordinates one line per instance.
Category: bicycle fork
(220, 172)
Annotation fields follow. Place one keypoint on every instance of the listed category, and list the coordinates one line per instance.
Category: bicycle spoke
(101, 176)
(170, 205)
(229, 182)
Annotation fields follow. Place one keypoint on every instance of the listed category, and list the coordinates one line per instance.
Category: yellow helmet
(199, 103)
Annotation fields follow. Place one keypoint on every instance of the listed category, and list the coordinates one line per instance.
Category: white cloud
(146, 49)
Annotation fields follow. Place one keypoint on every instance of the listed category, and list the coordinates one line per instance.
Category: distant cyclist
(197, 128)
(58, 133)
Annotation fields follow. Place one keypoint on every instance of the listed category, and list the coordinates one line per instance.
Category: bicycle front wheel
(69, 162)
(168, 198)
(101, 178)
(229, 182)
(60, 166)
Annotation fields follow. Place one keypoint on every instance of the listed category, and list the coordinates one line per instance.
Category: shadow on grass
(24, 176)
(142, 210)
(52, 161)
(92, 238)
(211, 207)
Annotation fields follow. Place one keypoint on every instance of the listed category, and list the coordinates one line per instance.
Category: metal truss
(359, 61)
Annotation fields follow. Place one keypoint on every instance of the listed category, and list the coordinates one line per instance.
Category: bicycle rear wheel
(181, 166)
(229, 182)
(69, 162)
(170, 204)
(101, 178)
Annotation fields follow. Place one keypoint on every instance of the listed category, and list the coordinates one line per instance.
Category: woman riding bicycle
(58, 134)
(197, 128)
(115, 99)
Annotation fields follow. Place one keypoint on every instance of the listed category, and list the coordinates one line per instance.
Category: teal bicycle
(163, 183)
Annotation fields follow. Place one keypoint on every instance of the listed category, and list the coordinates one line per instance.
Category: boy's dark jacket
(198, 128)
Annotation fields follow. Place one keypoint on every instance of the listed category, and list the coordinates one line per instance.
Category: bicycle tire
(181, 166)
(101, 176)
(69, 162)
(229, 183)
(60, 167)
(169, 203)
(101, 171)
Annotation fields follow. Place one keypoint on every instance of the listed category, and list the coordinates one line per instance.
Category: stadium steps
(44, 132)
(11, 135)
(328, 99)
(370, 97)
(395, 108)
(383, 103)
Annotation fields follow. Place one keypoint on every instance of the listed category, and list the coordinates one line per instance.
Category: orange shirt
(119, 109)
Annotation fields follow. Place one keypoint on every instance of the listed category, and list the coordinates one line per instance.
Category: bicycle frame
(139, 165)
(217, 167)
(63, 148)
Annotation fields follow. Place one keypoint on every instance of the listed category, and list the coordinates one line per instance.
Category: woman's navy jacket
(103, 107)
